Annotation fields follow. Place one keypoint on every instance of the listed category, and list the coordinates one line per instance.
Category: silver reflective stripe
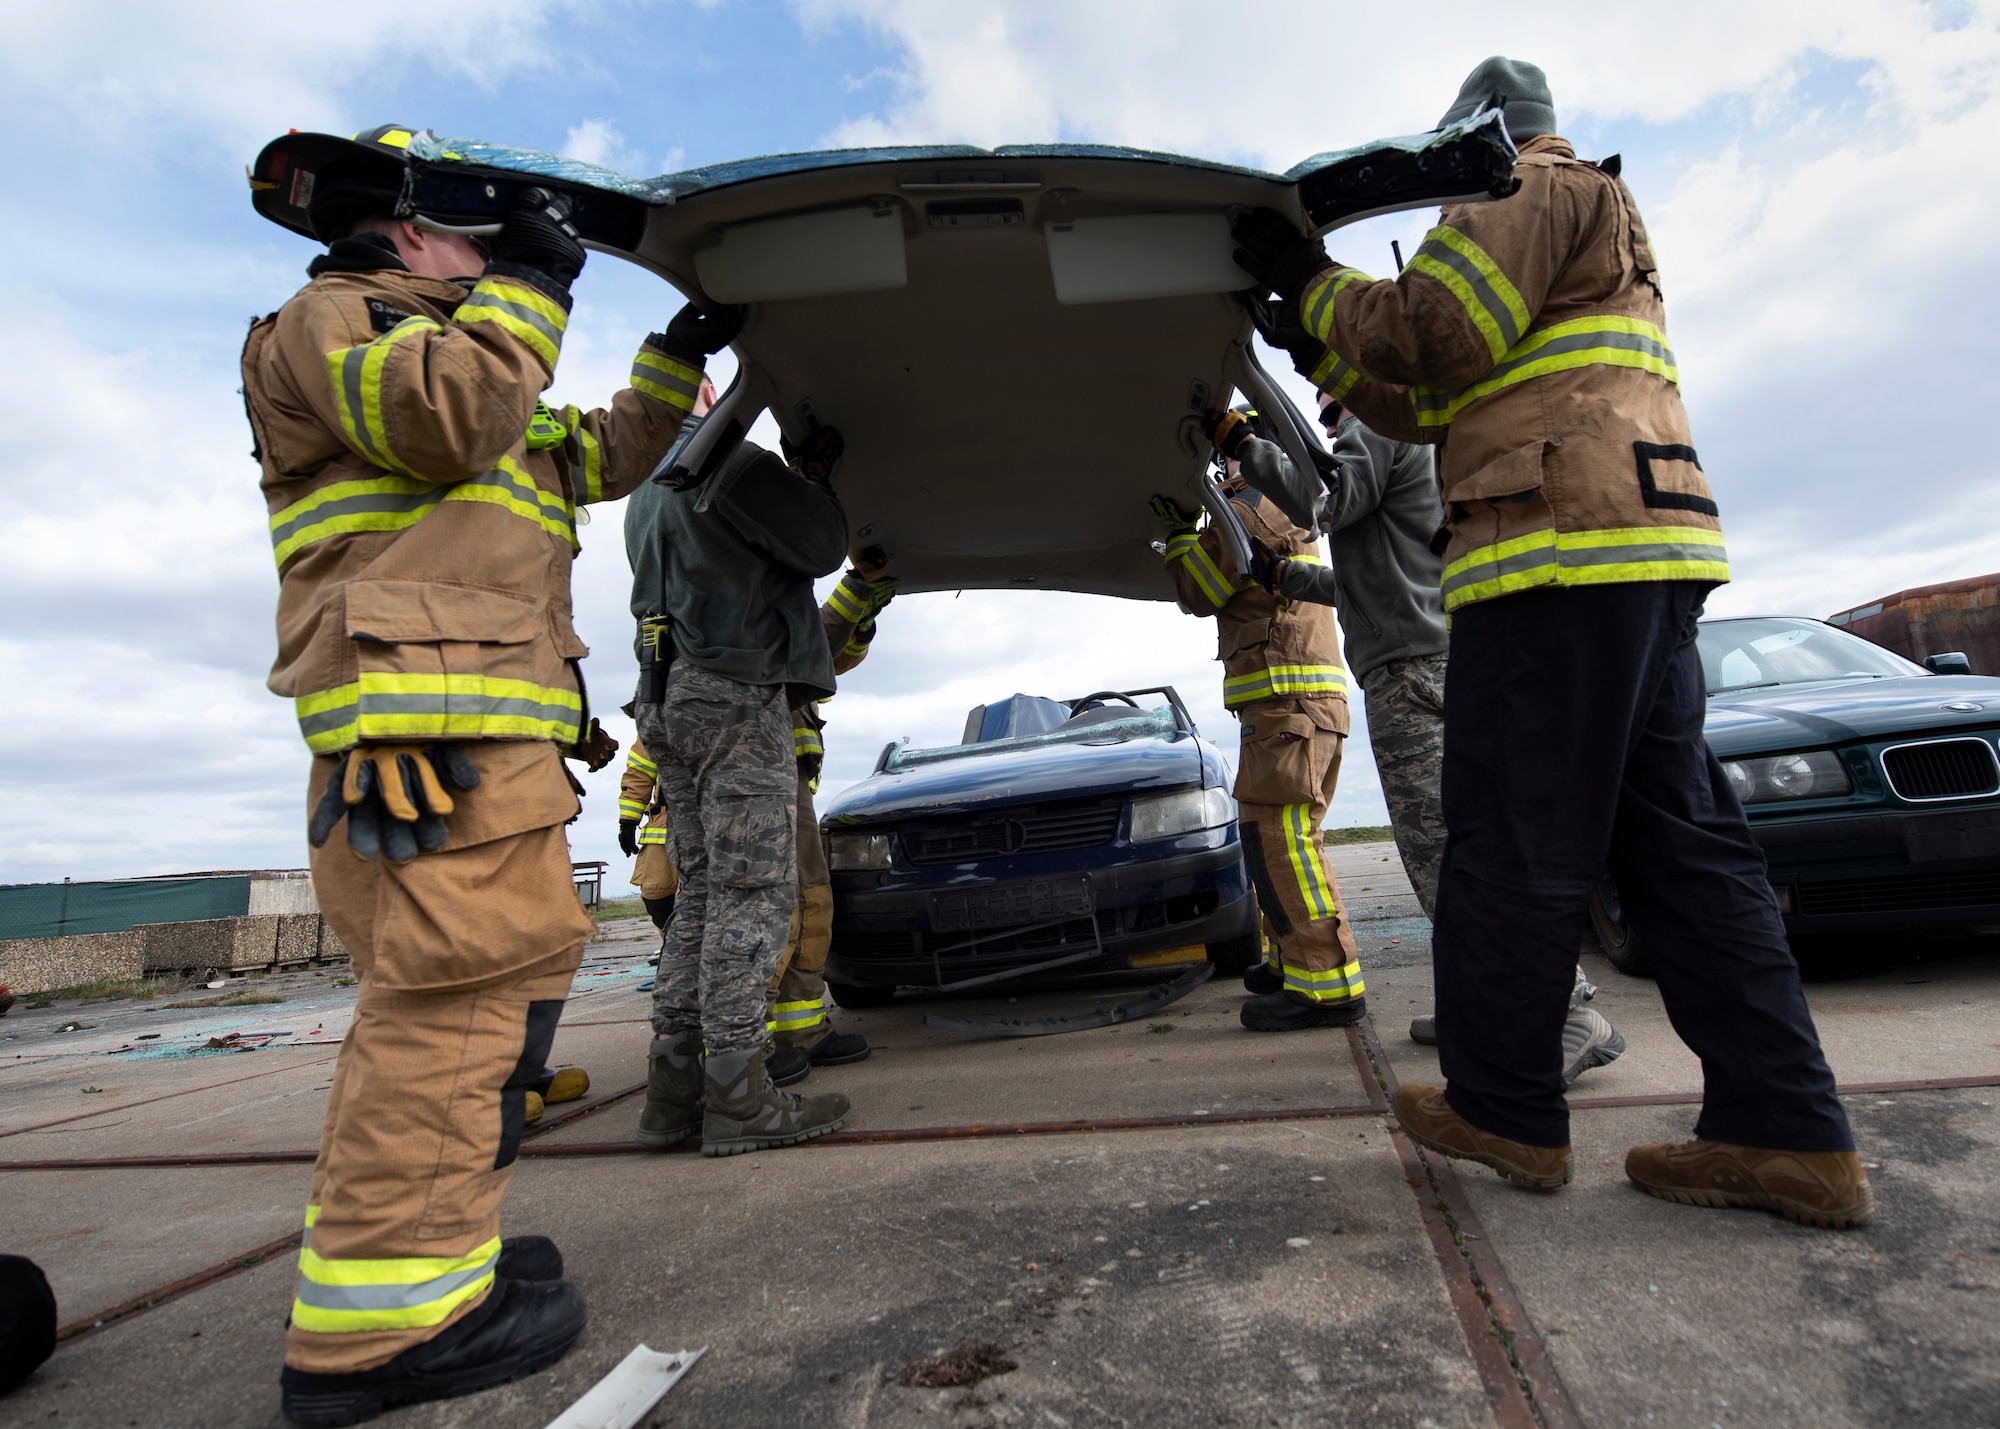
(481, 299)
(390, 1297)
(350, 387)
(661, 377)
(326, 721)
(382, 704)
(351, 505)
(1503, 317)
(1520, 563)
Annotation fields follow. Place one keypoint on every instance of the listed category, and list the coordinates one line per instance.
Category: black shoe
(838, 1048)
(1263, 980)
(529, 1257)
(1424, 1030)
(787, 1065)
(1285, 1012)
(521, 1328)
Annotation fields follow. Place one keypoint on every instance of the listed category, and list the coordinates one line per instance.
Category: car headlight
(857, 850)
(1816, 774)
(1183, 812)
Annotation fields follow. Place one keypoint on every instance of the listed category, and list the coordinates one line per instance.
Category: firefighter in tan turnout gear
(1282, 679)
(1527, 339)
(804, 1035)
(643, 835)
(423, 514)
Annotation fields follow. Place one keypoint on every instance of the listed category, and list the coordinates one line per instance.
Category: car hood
(1839, 711)
(1057, 771)
(937, 305)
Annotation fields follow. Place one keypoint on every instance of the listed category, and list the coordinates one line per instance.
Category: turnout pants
(798, 992)
(730, 782)
(1406, 731)
(1573, 745)
(1286, 771)
(464, 959)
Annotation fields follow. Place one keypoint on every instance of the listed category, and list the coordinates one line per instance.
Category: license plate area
(1002, 905)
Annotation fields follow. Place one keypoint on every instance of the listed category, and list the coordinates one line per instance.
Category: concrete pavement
(1222, 1268)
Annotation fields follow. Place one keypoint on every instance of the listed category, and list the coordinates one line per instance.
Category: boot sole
(1797, 1212)
(1507, 1169)
(737, 1145)
(361, 1405)
(863, 1055)
(1260, 1025)
(1602, 1055)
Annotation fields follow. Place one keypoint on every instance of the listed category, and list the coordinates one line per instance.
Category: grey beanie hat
(1522, 87)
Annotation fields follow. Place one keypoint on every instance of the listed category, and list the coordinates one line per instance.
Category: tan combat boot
(673, 1091)
(746, 1113)
(1814, 1188)
(1430, 1122)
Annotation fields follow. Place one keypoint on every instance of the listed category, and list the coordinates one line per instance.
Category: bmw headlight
(1816, 774)
(848, 851)
(1183, 812)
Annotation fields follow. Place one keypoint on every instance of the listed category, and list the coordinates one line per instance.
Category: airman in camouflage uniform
(1406, 730)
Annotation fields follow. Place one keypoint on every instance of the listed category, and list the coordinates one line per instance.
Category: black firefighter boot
(673, 1091)
(1294, 1012)
(519, 1329)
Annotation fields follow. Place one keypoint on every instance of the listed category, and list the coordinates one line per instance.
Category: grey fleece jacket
(1382, 512)
(737, 579)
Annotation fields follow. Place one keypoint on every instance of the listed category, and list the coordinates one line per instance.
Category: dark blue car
(1872, 783)
(1060, 837)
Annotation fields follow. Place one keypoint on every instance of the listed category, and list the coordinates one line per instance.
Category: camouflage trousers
(1406, 729)
(730, 784)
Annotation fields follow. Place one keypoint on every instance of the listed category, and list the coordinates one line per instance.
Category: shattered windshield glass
(1154, 724)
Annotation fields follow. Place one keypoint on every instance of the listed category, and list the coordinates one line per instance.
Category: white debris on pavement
(623, 1397)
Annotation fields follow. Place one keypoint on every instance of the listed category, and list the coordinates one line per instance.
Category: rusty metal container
(1934, 619)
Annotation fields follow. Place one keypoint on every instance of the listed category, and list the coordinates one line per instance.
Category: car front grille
(1901, 893)
(1942, 769)
(1025, 828)
(1025, 938)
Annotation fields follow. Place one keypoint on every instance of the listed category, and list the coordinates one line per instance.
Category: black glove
(628, 837)
(537, 234)
(694, 335)
(1266, 565)
(1274, 252)
(1227, 431)
(815, 457)
(1179, 519)
(1280, 326)
(393, 798)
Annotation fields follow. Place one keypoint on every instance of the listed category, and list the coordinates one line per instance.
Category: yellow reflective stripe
(796, 1016)
(1310, 556)
(383, 705)
(519, 310)
(665, 378)
(635, 760)
(856, 647)
(1188, 550)
(631, 809)
(1304, 851)
(850, 600)
(1580, 342)
(806, 741)
(1283, 680)
(586, 473)
(1609, 557)
(1489, 299)
(312, 1214)
(396, 503)
(653, 834)
(1316, 303)
(1330, 985)
(346, 1296)
(355, 374)
(1335, 375)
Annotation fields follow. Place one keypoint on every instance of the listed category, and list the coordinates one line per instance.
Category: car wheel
(854, 996)
(1235, 956)
(1614, 931)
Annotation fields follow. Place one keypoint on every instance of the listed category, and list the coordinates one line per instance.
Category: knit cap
(1520, 86)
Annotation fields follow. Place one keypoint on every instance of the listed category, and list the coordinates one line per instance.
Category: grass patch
(231, 999)
(615, 908)
(111, 989)
(1360, 834)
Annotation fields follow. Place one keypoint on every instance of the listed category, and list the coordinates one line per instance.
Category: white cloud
(598, 141)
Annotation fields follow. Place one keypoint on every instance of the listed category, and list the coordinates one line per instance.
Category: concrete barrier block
(45, 964)
(253, 942)
(298, 937)
(204, 943)
(330, 947)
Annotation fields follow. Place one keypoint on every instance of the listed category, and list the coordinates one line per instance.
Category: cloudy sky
(1821, 181)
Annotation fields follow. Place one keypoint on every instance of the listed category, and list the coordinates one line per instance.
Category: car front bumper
(883, 936)
(1889, 868)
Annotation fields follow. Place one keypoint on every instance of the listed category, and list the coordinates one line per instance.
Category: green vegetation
(1360, 834)
(614, 908)
(110, 989)
(246, 998)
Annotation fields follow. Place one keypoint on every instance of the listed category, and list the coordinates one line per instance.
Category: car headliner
(997, 436)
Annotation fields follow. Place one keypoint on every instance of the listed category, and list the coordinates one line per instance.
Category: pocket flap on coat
(423, 611)
(1262, 728)
(1236, 638)
(1518, 471)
